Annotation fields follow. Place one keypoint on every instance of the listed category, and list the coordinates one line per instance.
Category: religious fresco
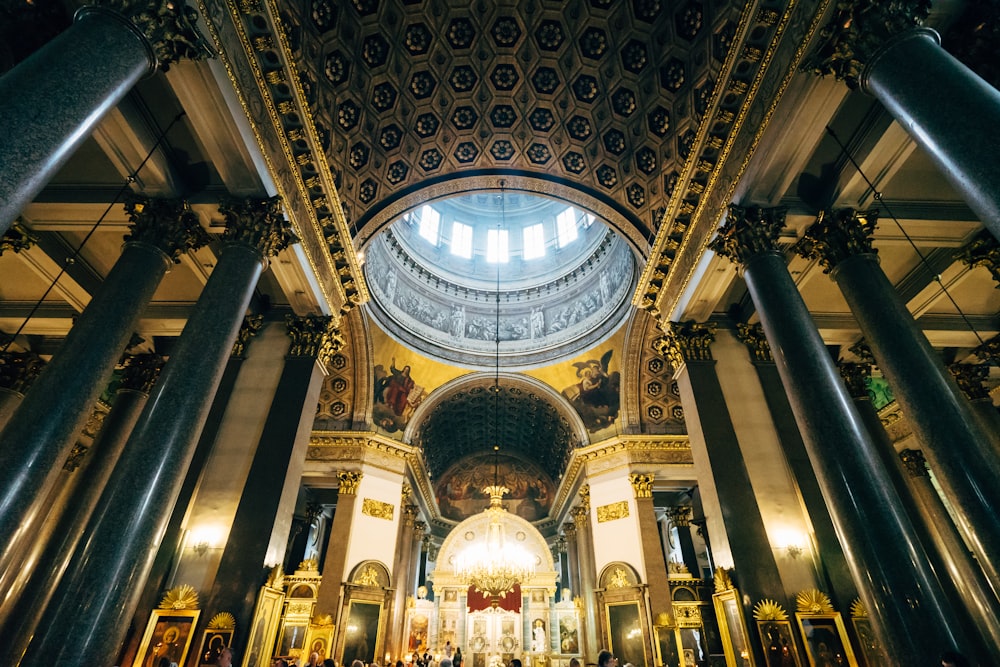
(397, 396)
(460, 494)
(596, 393)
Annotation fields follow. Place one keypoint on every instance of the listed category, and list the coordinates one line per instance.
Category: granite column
(652, 552)
(909, 613)
(588, 574)
(960, 451)
(44, 428)
(95, 600)
(329, 595)
(52, 101)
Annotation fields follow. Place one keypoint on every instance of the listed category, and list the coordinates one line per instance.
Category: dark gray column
(588, 572)
(42, 431)
(400, 572)
(680, 518)
(941, 103)
(89, 614)
(907, 609)
(275, 473)
(958, 448)
(45, 563)
(572, 558)
(654, 562)
(52, 100)
(18, 370)
(833, 565)
(687, 347)
(971, 379)
(169, 550)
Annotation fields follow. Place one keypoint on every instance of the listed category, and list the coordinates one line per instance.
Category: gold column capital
(752, 335)
(585, 497)
(419, 528)
(252, 324)
(313, 336)
(983, 250)
(748, 232)
(971, 379)
(837, 236)
(166, 224)
(19, 369)
(854, 375)
(409, 515)
(569, 530)
(914, 462)
(642, 484)
(17, 238)
(580, 515)
(686, 341)
(857, 31)
(349, 481)
(406, 491)
(679, 516)
(258, 223)
(141, 371)
(170, 27)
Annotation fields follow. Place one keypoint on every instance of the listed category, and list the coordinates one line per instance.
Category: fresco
(460, 490)
(397, 396)
(596, 394)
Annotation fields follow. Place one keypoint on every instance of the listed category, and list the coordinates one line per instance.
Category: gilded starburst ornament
(182, 597)
(276, 579)
(769, 610)
(813, 601)
(858, 609)
(222, 621)
(723, 582)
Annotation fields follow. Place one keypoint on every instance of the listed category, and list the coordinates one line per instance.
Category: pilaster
(329, 596)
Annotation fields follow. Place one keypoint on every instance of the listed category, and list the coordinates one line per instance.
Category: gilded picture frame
(825, 639)
(266, 615)
(213, 640)
(623, 619)
(361, 631)
(168, 635)
(733, 629)
(778, 641)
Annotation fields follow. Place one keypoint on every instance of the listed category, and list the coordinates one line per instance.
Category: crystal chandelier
(492, 566)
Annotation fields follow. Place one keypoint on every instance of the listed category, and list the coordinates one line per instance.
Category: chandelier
(492, 566)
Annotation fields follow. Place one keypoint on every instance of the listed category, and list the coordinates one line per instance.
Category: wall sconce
(204, 538)
(793, 551)
(200, 548)
(789, 542)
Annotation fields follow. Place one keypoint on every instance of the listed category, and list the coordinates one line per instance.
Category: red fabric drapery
(511, 601)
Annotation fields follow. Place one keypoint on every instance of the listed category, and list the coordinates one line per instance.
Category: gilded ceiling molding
(752, 335)
(971, 379)
(684, 342)
(837, 236)
(738, 116)
(641, 484)
(259, 64)
(983, 250)
(349, 481)
(314, 336)
(857, 32)
(854, 376)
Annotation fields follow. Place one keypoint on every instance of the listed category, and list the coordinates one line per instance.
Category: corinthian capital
(686, 341)
(167, 224)
(169, 25)
(858, 30)
(314, 336)
(585, 497)
(642, 485)
(752, 335)
(835, 237)
(251, 325)
(914, 462)
(971, 379)
(258, 223)
(855, 376)
(141, 371)
(17, 238)
(748, 232)
(19, 369)
(983, 250)
(349, 481)
(680, 516)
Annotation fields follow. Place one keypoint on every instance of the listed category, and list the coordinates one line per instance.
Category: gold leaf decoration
(322, 619)
(182, 597)
(723, 582)
(858, 609)
(222, 621)
(769, 610)
(813, 601)
(276, 579)
(664, 620)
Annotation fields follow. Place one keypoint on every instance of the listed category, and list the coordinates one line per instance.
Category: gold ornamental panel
(377, 509)
(613, 511)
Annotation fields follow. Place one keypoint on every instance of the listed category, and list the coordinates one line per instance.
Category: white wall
(372, 538)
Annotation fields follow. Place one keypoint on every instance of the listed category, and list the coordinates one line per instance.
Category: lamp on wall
(493, 566)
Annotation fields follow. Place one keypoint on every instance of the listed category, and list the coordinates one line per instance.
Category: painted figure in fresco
(398, 387)
(596, 395)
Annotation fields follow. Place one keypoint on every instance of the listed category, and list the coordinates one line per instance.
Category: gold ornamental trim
(368, 577)
(612, 511)
(723, 581)
(813, 601)
(619, 579)
(181, 597)
(377, 509)
(222, 621)
(276, 579)
(349, 481)
(858, 609)
(642, 485)
(769, 610)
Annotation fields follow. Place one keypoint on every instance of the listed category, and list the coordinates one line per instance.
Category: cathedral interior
(529, 327)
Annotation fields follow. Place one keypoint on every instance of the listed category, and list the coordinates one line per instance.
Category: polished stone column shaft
(957, 446)
(91, 608)
(328, 598)
(652, 552)
(572, 558)
(42, 431)
(588, 575)
(400, 573)
(947, 109)
(909, 614)
(50, 558)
